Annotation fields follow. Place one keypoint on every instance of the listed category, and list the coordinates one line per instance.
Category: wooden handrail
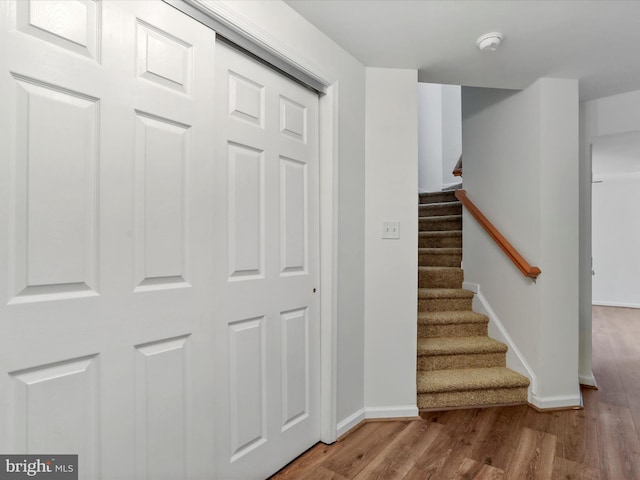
(526, 269)
(457, 170)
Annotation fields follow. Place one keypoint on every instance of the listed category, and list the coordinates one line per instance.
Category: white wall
(616, 237)
(604, 116)
(287, 28)
(391, 279)
(451, 132)
(439, 135)
(520, 153)
(429, 137)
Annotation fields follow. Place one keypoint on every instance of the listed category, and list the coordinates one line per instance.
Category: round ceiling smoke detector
(489, 42)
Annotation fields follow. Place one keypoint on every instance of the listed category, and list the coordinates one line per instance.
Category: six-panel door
(158, 246)
(106, 334)
(266, 268)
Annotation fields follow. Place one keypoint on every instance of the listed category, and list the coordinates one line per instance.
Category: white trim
(351, 421)
(560, 401)
(589, 380)
(472, 287)
(328, 127)
(393, 411)
(246, 33)
(626, 177)
(515, 359)
(452, 184)
(373, 413)
(604, 303)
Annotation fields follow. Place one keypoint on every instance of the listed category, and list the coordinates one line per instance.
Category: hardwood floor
(510, 443)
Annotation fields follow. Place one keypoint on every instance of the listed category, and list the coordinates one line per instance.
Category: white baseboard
(550, 403)
(515, 359)
(450, 185)
(351, 421)
(396, 411)
(604, 303)
(588, 380)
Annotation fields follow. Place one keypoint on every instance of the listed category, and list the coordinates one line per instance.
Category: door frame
(237, 28)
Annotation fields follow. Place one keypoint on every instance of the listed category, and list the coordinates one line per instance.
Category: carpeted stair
(458, 364)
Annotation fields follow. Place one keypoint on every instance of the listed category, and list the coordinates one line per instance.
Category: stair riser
(437, 224)
(438, 197)
(449, 279)
(443, 304)
(434, 260)
(476, 360)
(439, 209)
(453, 241)
(472, 398)
(453, 330)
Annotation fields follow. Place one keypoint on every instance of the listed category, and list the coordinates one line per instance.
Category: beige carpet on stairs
(458, 363)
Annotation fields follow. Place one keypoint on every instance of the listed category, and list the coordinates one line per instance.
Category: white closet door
(106, 333)
(266, 275)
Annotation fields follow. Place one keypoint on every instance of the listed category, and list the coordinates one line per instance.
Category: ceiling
(597, 42)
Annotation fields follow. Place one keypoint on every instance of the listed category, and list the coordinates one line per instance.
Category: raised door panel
(163, 58)
(293, 119)
(161, 235)
(161, 407)
(295, 367)
(247, 386)
(246, 99)
(55, 192)
(73, 25)
(293, 217)
(246, 228)
(55, 409)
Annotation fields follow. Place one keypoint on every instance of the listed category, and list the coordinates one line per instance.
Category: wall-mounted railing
(457, 170)
(517, 259)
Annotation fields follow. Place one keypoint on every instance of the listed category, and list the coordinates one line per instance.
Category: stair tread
(440, 250)
(467, 379)
(459, 345)
(440, 218)
(444, 293)
(451, 317)
(441, 233)
(432, 268)
(442, 204)
(429, 198)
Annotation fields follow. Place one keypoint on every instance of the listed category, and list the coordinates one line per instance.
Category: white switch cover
(391, 229)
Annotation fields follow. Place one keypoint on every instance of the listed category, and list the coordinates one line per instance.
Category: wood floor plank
(564, 469)
(534, 456)
(498, 446)
(611, 389)
(307, 462)
(430, 463)
(488, 472)
(470, 469)
(363, 446)
(619, 444)
(321, 473)
(571, 436)
(476, 427)
(395, 461)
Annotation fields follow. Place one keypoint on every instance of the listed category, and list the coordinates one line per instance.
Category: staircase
(458, 364)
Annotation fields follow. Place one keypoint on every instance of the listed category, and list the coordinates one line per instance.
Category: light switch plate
(391, 229)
